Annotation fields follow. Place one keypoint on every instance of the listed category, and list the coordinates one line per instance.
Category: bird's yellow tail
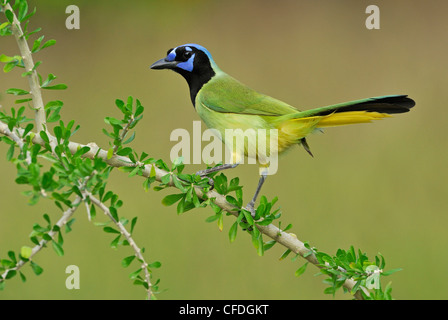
(293, 130)
(350, 117)
(300, 127)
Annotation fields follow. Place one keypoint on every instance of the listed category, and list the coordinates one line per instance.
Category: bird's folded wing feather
(227, 95)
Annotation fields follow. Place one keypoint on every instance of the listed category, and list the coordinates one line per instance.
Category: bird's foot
(250, 207)
(203, 174)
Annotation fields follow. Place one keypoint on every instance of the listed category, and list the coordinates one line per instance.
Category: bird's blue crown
(189, 64)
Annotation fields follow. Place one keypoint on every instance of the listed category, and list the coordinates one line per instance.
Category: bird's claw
(211, 182)
(250, 207)
(203, 175)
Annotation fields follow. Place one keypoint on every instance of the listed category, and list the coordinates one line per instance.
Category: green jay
(224, 103)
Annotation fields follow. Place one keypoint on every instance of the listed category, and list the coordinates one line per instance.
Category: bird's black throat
(201, 75)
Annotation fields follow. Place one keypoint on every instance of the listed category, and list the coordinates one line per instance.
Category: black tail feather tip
(386, 104)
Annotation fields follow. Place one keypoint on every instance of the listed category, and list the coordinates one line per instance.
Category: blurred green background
(380, 187)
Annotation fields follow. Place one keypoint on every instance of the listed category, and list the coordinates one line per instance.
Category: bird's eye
(187, 54)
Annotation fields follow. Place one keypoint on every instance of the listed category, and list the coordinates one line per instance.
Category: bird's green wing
(227, 95)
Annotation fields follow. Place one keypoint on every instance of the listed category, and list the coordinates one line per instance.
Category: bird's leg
(251, 206)
(204, 173)
(215, 169)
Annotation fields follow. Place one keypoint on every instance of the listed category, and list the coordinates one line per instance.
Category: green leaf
(233, 201)
(10, 153)
(248, 217)
(68, 225)
(9, 15)
(388, 291)
(268, 245)
(301, 270)
(36, 268)
(260, 246)
(220, 222)
(23, 10)
(135, 274)
(58, 248)
(81, 151)
(177, 162)
(221, 184)
(389, 272)
(46, 237)
(127, 261)
(124, 151)
(7, 263)
(47, 218)
(44, 136)
(9, 66)
(56, 87)
(110, 153)
(12, 256)
(113, 121)
(29, 15)
(130, 139)
(5, 58)
(25, 252)
(23, 100)
(4, 25)
(17, 92)
(55, 104)
(22, 277)
(119, 103)
(264, 222)
(114, 243)
(172, 199)
(147, 184)
(10, 274)
(180, 186)
(54, 116)
(133, 222)
(285, 254)
(154, 265)
(355, 287)
(47, 44)
(110, 230)
(330, 290)
(233, 231)
(166, 178)
(181, 206)
(212, 218)
(36, 44)
(49, 79)
(383, 262)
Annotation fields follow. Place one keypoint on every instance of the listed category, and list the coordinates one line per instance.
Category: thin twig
(40, 120)
(33, 79)
(128, 236)
(61, 222)
(18, 141)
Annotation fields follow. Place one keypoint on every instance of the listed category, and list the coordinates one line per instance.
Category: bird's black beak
(163, 64)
